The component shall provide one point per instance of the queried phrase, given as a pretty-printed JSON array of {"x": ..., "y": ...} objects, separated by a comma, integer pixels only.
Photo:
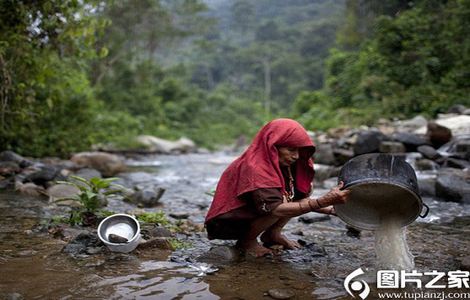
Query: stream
[{"x": 32, "y": 265}]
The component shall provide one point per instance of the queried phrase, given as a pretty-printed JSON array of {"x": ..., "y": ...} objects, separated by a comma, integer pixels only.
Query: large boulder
[
  {"x": 427, "y": 184},
  {"x": 458, "y": 125},
  {"x": 438, "y": 135},
  {"x": 391, "y": 147},
  {"x": 324, "y": 154},
  {"x": 453, "y": 185},
  {"x": 412, "y": 124},
  {"x": 459, "y": 147},
  {"x": 410, "y": 140},
  {"x": 428, "y": 151},
  {"x": 155, "y": 144},
  {"x": 368, "y": 142},
  {"x": 61, "y": 191},
  {"x": 108, "y": 164},
  {"x": 14, "y": 157},
  {"x": 44, "y": 175}
]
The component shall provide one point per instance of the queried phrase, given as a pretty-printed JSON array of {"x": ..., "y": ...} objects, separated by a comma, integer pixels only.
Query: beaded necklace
[{"x": 291, "y": 194}]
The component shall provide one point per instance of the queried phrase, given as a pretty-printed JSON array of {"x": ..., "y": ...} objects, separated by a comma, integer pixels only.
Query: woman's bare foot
[
  {"x": 275, "y": 238},
  {"x": 253, "y": 248}
]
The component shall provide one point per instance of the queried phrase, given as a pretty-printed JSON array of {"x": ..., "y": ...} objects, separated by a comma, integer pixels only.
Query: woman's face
[{"x": 287, "y": 155}]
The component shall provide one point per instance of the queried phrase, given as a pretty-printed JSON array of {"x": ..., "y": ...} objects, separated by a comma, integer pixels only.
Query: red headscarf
[{"x": 258, "y": 167}]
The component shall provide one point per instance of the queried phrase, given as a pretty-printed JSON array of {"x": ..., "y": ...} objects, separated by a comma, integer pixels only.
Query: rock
[
  {"x": 342, "y": 155},
  {"x": 135, "y": 178},
  {"x": 391, "y": 147},
  {"x": 7, "y": 183},
  {"x": 179, "y": 215},
  {"x": 458, "y": 125},
  {"x": 147, "y": 197},
  {"x": 221, "y": 254},
  {"x": 427, "y": 184},
  {"x": 30, "y": 189},
  {"x": 44, "y": 175},
  {"x": 412, "y": 124},
  {"x": 88, "y": 173},
  {"x": 313, "y": 217},
  {"x": 459, "y": 147},
  {"x": 353, "y": 232},
  {"x": 156, "y": 243},
  {"x": 368, "y": 142},
  {"x": 466, "y": 112},
  {"x": 456, "y": 109},
  {"x": 281, "y": 293},
  {"x": 60, "y": 191},
  {"x": 437, "y": 134},
  {"x": 149, "y": 231},
  {"x": 114, "y": 238},
  {"x": 94, "y": 250},
  {"x": 323, "y": 172},
  {"x": 8, "y": 168},
  {"x": 410, "y": 140},
  {"x": 453, "y": 185},
  {"x": 428, "y": 152},
  {"x": 462, "y": 148},
  {"x": 81, "y": 242},
  {"x": 13, "y": 157},
  {"x": 155, "y": 144},
  {"x": 456, "y": 163},
  {"x": 108, "y": 164},
  {"x": 426, "y": 165},
  {"x": 464, "y": 263},
  {"x": 324, "y": 154}
]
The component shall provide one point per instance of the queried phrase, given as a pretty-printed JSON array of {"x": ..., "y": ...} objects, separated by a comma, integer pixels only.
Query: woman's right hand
[{"x": 335, "y": 196}]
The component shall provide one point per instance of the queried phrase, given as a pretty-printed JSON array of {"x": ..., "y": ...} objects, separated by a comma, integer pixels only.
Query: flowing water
[
  {"x": 33, "y": 266},
  {"x": 391, "y": 247}
]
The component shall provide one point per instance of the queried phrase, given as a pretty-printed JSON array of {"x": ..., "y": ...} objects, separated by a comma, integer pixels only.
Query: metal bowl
[
  {"x": 123, "y": 226},
  {"x": 383, "y": 187}
]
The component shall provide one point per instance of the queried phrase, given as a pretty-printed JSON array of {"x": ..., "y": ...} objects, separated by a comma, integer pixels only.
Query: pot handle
[{"x": 427, "y": 211}]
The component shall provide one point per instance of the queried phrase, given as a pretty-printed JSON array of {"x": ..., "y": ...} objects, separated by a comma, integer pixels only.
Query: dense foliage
[
  {"x": 414, "y": 62},
  {"x": 77, "y": 73}
]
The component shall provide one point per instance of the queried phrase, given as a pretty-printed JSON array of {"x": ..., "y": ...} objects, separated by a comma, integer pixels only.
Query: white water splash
[{"x": 391, "y": 247}]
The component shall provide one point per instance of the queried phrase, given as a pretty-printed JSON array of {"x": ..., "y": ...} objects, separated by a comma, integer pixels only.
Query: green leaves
[{"x": 91, "y": 192}]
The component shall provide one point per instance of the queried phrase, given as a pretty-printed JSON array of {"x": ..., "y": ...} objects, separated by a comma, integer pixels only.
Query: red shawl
[{"x": 258, "y": 167}]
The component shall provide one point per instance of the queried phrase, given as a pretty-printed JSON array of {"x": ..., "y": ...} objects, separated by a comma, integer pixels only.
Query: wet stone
[
  {"x": 310, "y": 218},
  {"x": 94, "y": 250},
  {"x": 426, "y": 165},
  {"x": 221, "y": 254},
  {"x": 158, "y": 243},
  {"x": 391, "y": 147},
  {"x": 114, "y": 238},
  {"x": 428, "y": 151},
  {"x": 281, "y": 293},
  {"x": 156, "y": 231},
  {"x": 179, "y": 215}
]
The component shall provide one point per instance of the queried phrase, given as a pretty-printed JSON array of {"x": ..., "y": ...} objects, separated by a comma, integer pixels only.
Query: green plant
[
  {"x": 158, "y": 218},
  {"x": 178, "y": 244},
  {"x": 89, "y": 198}
]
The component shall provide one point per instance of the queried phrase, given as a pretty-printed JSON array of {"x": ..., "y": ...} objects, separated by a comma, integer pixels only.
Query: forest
[{"x": 79, "y": 73}]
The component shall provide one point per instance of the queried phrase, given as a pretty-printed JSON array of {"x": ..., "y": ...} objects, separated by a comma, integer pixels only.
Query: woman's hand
[{"x": 335, "y": 196}]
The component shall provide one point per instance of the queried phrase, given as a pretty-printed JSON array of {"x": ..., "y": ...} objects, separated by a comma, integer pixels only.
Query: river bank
[{"x": 438, "y": 242}]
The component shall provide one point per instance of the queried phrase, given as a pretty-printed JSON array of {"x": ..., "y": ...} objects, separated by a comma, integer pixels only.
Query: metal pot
[
  {"x": 383, "y": 187},
  {"x": 126, "y": 227}
]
